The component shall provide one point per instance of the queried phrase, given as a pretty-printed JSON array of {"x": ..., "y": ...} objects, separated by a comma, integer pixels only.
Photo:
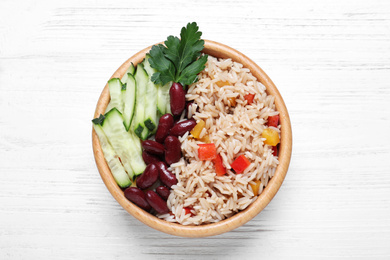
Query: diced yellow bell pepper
[
  {"x": 255, "y": 187},
  {"x": 222, "y": 83},
  {"x": 205, "y": 139},
  {"x": 271, "y": 136},
  {"x": 232, "y": 101},
  {"x": 198, "y": 129}
]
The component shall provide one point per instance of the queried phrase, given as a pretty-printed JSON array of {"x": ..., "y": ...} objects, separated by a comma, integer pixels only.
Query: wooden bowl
[{"x": 222, "y": 51}]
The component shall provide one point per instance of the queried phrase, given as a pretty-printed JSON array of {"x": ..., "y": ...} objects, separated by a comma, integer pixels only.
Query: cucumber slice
[
  {"x": 115, "y": 88},
  {"x": 163, "y": 99},
  {"x": 112, "y": 159},
  {"x": 137, "y": 143},
  {"x": 151, "y": 107},
  {"x": 109, "y": 107},
  {"x": 141, "y": 78},
  {"x": 151, "y": 100},
  {"x": 129, "y": 101},
  {"x": 123, "y": 93},
  {"x": 137, "y": 161},
  {"x": 168, "y": 108},
  {"x": 145, "y": 133},
  {"x": 130, "y": 70},
  {"x": 125, "y": 144}
]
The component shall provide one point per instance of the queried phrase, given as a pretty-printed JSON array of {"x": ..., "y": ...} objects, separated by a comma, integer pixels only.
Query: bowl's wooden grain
[{"x": 222, "y": 51}]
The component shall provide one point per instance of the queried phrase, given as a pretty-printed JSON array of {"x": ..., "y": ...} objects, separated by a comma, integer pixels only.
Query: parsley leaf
[
  {"x": 190, "y": 45},
  {"x": 190, "y": 74},
  {"x": 179, "y": 60},
  {"x": 99, "y": 120},
  {"x": 162, "y": 64},
  {"x": 172, "y": 50}
]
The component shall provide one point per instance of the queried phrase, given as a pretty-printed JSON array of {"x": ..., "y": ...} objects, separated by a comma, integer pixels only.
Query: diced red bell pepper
[
  {"x": 273, "y": 121},
  {"x": 188, "y": 211},
  {"x": 249, "y": 98},
  {"x": 207, "y": 152},
  {"x": 219, "y": 168},
  {"x": 240, "y": 164},
  {"x": 275, "y": 150}
]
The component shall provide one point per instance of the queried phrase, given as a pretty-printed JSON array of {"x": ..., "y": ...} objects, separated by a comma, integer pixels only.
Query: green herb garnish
[{"x": 179, "y": 60}]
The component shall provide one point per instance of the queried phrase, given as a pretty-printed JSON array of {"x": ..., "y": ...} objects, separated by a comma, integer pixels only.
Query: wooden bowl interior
[{"x": 222, "y": 51}]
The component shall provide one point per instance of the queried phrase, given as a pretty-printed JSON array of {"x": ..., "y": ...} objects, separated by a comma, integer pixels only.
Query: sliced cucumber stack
[
  {"x": 132, "y": 114},
  {"x": 115, "y": 165},
  {"x": 123, "y": 143}
]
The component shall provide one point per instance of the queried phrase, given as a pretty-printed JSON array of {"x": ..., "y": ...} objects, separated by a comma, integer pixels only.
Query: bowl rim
[{"x": 285, "y": 149}]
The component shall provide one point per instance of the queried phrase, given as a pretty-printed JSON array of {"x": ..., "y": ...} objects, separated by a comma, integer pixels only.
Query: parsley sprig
[{"x": 179, "y": 60}]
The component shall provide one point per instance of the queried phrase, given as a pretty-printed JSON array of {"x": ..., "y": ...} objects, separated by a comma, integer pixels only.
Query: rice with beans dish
[{"x": 235, "y": 127}]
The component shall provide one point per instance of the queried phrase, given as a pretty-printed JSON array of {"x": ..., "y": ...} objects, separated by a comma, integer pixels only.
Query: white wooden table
[{"x": 329, "y": 59}]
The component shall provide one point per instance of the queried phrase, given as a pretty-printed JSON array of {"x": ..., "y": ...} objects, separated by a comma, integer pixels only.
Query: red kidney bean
[
  {"x": 147, "y": 178},
  {"x": 138, "y": 197},
  {"x": 163, "y": 192},
  {"x": 156, "y": 202},
  {"x": 176, "y": 119},
  {"x": 180, "y": 128},
  {"x": 178, "y": 99},
  {"x": 149, "y": 158},
  {"x": 166, "y": 177},
  {"x": 153, "y": 147},
  {"x": 172, "y": 149},
  {"x": 164, "y": 125}
]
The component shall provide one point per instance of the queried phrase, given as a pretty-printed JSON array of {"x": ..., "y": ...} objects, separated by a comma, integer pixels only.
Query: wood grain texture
[{"x": 329, "y": 59}]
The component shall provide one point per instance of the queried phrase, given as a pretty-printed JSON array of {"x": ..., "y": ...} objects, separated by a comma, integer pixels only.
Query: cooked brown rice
[{"x": 234, "y": 131}]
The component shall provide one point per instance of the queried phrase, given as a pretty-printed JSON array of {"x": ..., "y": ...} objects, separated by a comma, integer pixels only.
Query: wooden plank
[{"x": 329, "y": 59}]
